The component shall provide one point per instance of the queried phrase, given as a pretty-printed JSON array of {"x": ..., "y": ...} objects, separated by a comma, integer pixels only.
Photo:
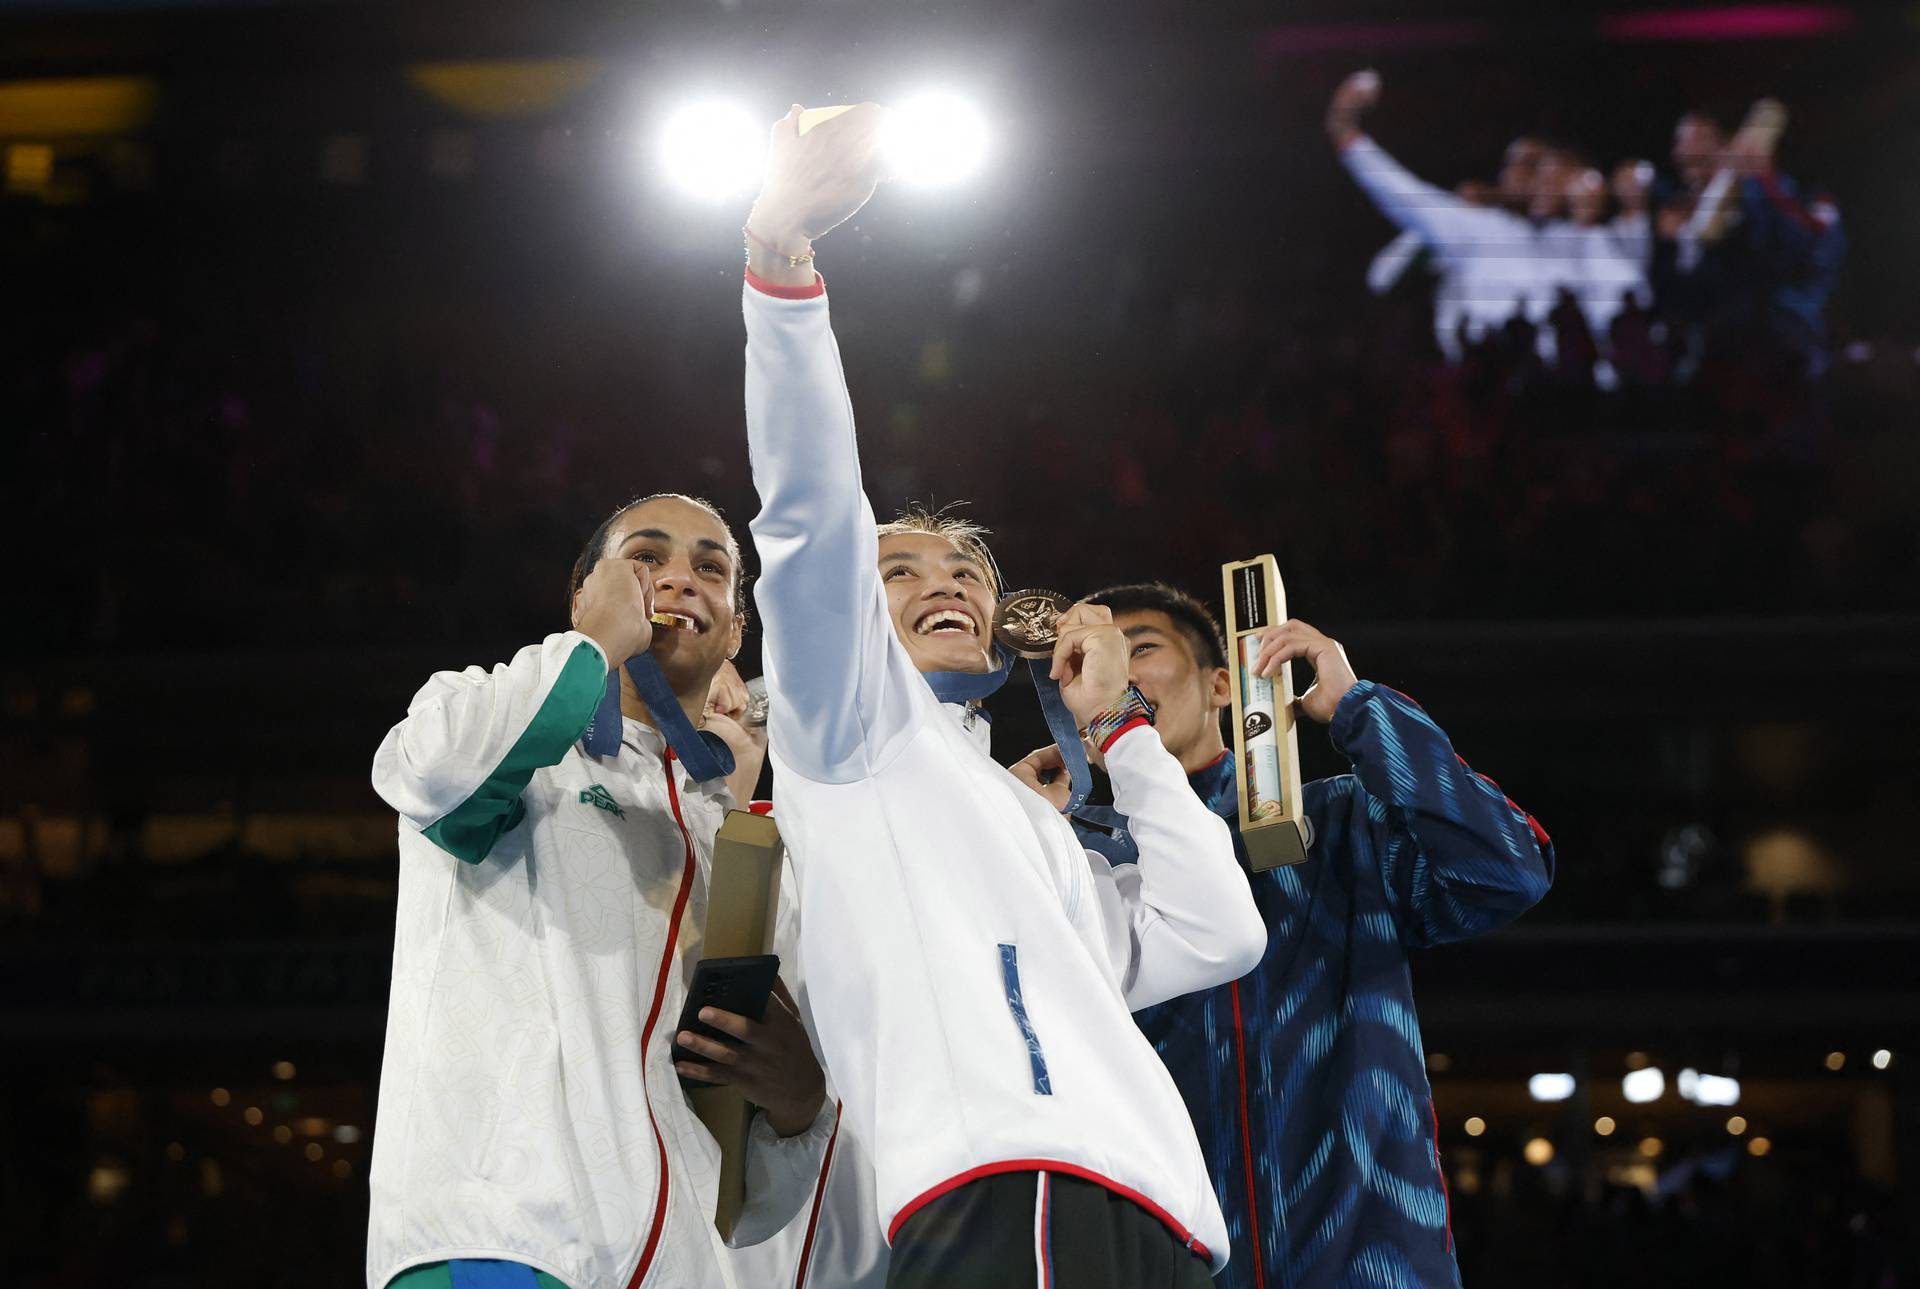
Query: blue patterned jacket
[{"x": 1306, "y": 1078}]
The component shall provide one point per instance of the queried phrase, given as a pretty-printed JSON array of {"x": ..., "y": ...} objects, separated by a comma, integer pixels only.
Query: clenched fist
[
  {"x": 613, "y": 606},
  {"x": 726, "y": 715},
  {"x": 1089, "y": 661},
  {"x": 1044, "y": 770}
]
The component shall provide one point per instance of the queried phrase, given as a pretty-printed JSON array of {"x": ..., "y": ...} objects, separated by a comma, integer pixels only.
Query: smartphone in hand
[{"x": 738, "y": 985}]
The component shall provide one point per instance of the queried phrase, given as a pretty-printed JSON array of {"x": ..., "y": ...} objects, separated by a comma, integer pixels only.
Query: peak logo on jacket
[{"x": 601, "y": 799}]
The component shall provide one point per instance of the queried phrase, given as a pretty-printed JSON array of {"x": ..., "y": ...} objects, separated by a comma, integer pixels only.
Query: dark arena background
[{"x": 330, "y": 330}]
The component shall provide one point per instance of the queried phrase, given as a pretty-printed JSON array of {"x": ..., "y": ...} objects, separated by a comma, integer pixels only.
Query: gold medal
[
  {"x": 674, "y": 621},
  {"x": 1028, "y": 622}
]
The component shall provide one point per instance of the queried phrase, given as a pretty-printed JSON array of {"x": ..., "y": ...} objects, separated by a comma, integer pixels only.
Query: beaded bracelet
[{"x": 1133, "y": 706}]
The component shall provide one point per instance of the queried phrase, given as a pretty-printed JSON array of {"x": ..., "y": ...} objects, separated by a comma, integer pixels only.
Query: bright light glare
[
  {"x": 934, "y": 139},
  {"x": 1882, "y": 1059},
  {"x": 1715, "y": 1090},
  {"x": 713, "y": 150},
  {"x": 1641, "y": 1086},
  {"x": 1475, "y": 1126},
  {"x": 1550, "y": 1087},
  {"x": 1538, "y": 1152},
  {"x": 1709, "y": 1089}
]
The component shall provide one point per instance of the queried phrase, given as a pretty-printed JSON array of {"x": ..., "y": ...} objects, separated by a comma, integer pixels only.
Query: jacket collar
[
  {"x": 963, "y": 693},
  {"x": 973, "y": 721},
  {"x": 650, "y": 745},
  {"x": 1215, "y": 785}
]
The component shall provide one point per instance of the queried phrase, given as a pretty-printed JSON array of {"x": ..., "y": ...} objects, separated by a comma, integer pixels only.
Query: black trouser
[{"x": 1039, "y": 1231}]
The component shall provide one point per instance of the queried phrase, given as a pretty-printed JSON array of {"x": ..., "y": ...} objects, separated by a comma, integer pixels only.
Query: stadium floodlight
[
  {"x": 1713, "y": 1089},
  {"x": 934, "y": 139},
  {"x": 1550, "y": 1087},
  {"x": 713, "y": 150},
  {"x": 1708, "y": 1089},
  {"x": 1642, "y": 1086}
]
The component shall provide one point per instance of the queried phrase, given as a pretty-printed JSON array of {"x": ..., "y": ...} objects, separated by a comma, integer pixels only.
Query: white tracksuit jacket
[
  {"x": 550, "y": 912},
  {"x": 1494, "y": 263},
  {"x": 971, "y": 969}
]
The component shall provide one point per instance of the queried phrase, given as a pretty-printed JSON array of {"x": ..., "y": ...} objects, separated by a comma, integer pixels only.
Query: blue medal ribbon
[
  {"x": 1104, "y": 829},
  {"x": 971, "y": 686},
  {"x": 1066, "y": 734},
  {"x": 703, "y": 752}
]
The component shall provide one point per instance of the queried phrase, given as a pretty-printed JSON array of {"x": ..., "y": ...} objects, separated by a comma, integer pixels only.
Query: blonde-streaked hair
[{"x": 963, "y": 535}]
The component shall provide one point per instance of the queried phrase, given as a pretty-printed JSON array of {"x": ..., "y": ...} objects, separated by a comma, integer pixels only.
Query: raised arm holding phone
[{"x": 971, "y": 966}]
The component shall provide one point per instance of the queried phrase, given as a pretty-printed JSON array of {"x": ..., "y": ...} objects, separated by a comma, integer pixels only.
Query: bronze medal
[{"x": 1028, "y": 622}]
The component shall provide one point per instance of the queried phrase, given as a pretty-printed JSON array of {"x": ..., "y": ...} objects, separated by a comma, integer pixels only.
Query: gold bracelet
[{"x": 793, "y": 261}]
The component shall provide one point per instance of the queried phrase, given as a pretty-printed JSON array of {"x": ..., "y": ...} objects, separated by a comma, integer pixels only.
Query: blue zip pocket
[{"x": 1010, "y": 980}]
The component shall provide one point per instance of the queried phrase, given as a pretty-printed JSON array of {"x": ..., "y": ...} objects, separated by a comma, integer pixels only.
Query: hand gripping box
[
  {"x": 743, "y": 893},
  {"x": 1266, "y": 744}
]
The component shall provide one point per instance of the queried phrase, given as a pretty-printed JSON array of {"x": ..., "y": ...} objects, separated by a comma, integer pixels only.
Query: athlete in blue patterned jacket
[{"x": 1306, "y": 1078}]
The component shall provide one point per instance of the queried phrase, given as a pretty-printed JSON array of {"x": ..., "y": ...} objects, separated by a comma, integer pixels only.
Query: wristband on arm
[{"x": 1132, "y": 709}]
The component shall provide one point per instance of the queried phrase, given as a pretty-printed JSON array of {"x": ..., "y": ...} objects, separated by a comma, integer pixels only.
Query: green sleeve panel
[
  {"x": 469, "y": 830},
  {"x": 439, "y": 1275}
]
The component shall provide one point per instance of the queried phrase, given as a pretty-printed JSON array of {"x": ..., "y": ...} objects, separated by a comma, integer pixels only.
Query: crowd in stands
[
  {"x": 1718, "y": 1218},
  {"x": 330, "y": 454},
  {"x": 1724, "y": 259},
  {"x": 263, "y": 481}
]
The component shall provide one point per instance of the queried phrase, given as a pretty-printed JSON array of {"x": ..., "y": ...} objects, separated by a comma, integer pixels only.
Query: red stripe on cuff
[
  {"x": 778, "y": 292},
  {"x": 1539, "y": 834},
  {"x": 1114, "y": 737},
  {"x": 1787, "y": 206}
]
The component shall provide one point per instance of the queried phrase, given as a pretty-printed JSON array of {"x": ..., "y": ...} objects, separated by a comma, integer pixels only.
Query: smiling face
[
  {"x": 1187, "y": 693},
  {"x": 696, "y": 578},
  {"x": 940, "y": 601}
]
